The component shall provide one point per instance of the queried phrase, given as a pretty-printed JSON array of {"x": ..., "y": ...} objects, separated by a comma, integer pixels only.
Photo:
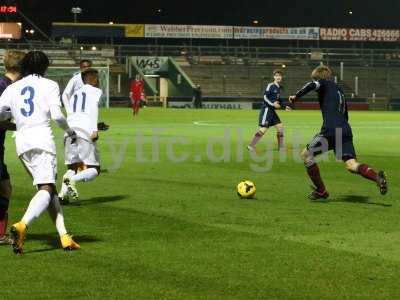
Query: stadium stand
[
  {"x": 239, "y": 71},
  {"x": 242, "y": 81},
  {"x": 248, "y": 80}
]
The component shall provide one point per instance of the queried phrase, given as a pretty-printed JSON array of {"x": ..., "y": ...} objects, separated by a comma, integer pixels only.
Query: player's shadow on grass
[
  {"x": 99, "y": 200},
  {"x": 53, "y": 241},
  {"x": 357, "y": 199}
]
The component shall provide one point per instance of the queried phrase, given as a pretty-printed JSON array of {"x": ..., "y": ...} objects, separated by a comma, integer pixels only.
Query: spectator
[{"x": 197, "y": 97}]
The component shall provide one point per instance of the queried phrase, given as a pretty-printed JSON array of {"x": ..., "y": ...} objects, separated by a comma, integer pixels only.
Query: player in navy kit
[
  {"x": 268, "y": 116},
  {"x": 336, "y": 134},
  {"x": 11, "y": 63}
]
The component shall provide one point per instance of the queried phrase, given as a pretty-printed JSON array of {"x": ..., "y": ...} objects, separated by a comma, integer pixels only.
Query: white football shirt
[
  {"x": 74, "y": 84},
  {"x": 29, "y": 100},
  {"x": 83, "y": 110}
]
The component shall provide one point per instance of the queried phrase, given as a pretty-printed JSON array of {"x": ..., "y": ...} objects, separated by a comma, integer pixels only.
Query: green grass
[{"x": 165, "y": 230}]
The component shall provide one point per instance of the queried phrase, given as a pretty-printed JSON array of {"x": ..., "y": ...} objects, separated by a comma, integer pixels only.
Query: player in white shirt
[
  {"x": 33, "y": 101},
  {"x": 82, "y": 157},
  {"x": 75, "y": 83}
]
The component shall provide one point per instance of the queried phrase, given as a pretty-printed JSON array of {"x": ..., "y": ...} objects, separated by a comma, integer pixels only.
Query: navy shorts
[
  {"x": 342, "y": 146},
  {"x": 268, "y": 117}
]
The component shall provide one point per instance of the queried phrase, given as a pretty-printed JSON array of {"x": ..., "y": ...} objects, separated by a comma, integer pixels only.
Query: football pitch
[{"x": 163, "y": 220}]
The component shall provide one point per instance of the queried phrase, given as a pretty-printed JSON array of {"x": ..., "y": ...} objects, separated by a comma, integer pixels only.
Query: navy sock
[{"x": 4, "y": 202}]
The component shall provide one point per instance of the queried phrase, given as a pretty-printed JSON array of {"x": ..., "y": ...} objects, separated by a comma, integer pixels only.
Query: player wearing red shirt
[{"x": 136, "y": 94}]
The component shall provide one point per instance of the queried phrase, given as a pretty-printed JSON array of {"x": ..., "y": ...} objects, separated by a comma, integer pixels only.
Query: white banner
[
  {"x": 360, "y": 34},
  {"x": 188, "y": 31},
  {"x": 248, "y": 33},
  {"x": 277, "y": 33}
]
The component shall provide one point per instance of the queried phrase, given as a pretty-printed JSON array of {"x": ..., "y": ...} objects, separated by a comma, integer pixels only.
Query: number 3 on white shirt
[{"x": 29, "y": 101}]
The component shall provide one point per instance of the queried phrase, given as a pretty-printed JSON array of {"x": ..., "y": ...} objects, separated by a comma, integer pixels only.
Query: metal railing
[
  {"x": 237, "y": 54},
  {"x": 259, "y": 55}
]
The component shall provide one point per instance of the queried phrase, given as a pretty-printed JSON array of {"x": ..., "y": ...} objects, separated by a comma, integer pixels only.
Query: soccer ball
[{"x": 246, "y": 189}]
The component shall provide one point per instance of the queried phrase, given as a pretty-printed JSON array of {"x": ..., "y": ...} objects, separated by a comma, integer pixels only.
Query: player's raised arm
[
  {"x": 67, "y": 94},
  {"x": 310, "y": 86},
  {"x": 55, "y": 110},
  {"x": 58, "y": 117}
]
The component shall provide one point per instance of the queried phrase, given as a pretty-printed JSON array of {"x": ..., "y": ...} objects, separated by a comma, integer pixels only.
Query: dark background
[{"x": 373, "y": 14}]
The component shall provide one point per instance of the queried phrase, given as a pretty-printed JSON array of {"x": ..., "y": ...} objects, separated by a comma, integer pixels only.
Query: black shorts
[
  {"x": 342, "y": 146},
  {"x": 268, "y": 117},
  {"x": 3, "y": 172}
]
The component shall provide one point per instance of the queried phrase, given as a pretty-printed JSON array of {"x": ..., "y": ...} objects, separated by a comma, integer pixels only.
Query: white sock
[
  {"x": 70, "y": 173},
  {"x": 56, "y": 214},
  {"x": 85, "y": 175},
  {"x": 37, "y": 206},
  {"x": 64, "y": 188}
]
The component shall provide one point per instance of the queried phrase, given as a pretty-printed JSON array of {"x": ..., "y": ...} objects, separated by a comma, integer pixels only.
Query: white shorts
[
  {"x": 41, "y": 165},
  {"x": 82, "y": 151}
]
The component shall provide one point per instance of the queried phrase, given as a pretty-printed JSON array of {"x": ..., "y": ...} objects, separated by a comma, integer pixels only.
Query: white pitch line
[{"x": 205, "y": 123}]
